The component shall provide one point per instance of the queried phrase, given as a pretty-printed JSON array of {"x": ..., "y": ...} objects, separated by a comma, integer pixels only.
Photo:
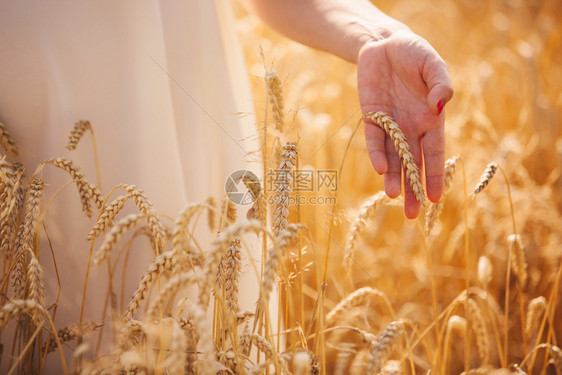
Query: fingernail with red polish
[{"x": 440, "y": 106}]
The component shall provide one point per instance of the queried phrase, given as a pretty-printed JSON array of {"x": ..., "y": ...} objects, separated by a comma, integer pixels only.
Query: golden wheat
[
  {"x": 432, "y": 215},
  {"x": 411, "y": 168},
  {"x": 382, "y": 346},
  {"x": 486, "y": 177},
  {"x": 7, "y": 141},
  {"x": 519, "y": 263},
  {"x": 76, "y": 134}
]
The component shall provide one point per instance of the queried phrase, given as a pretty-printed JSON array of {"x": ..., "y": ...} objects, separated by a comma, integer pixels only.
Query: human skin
[{"x": 398, "y": 72}]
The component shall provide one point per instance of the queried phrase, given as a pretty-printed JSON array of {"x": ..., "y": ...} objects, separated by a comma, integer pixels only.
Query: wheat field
[{"x": 471, "y": 286}]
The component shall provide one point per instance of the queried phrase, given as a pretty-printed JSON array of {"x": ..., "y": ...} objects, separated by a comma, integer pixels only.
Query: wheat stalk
[
  {"x": 486, "y": 177},
  {"x": 412, "y": 171},
  {"x": 283, "y": 177},
  {"x": 7, "y": 141},
  {"x": 435, "y": 209},
  {"x": 76, "y": 134},
  {"x": 382, "y": 346}
]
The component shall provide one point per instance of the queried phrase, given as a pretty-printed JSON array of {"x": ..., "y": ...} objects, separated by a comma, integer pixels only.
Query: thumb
[{"x": 436, "y": 77}]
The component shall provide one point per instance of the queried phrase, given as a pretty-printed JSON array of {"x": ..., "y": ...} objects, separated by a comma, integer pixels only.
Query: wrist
[{"x": 375, "y": 33}]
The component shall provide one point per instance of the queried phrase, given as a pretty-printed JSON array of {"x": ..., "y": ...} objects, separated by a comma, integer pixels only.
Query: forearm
[{"x": 341, "y": 27}]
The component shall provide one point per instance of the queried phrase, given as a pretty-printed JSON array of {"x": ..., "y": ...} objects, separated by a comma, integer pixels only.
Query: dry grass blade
[
  {"x": 486, "y": 177},
  {"x": 382, "y": 346},
  {"x": 7, "y": 141},
  {"x": 70, "y": 333},
  {"x": 432, "y": 215},
  {"x": 367, "y": 211},
  {"x": 76, "y": 134},
  {"x": 412, "y": 171}
]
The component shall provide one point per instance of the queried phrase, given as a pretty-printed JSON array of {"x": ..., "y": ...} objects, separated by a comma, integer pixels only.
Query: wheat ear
[
  {"x": 432, "y": 215},
  {"x": 211, "y": 213},
  {"x": 76, "y": 134},
  {"x": 27, "y": 233},
  {"x": 167, "y": 293},
  {"x": 17, "y": 307},
  {"x": 535, "y": 310},
  {"x": 180, "y": 236},
  {"x": 382, "y": 346},
  {"x": 115, "y": 235},
  {"x": 273, "y": 256},
  {"x": 356, "y": 298},
  {"x": 485, "y": 271},
  {"x": 283, "y": 180},
  {"x": 229, "y": 275},
  {"x": 480, "y": 331},
  {"x": 412, "y": 171},
  {"x": 35, "y": 276},
  {"x": 70, "y": 333},
  {"x": 12, "y": 195},
  {"x": 486, "y": 177},
  {"x": 86, "y": 190},
  {"x": 367, "y": 211},
  {"x": 519, "y": 266},
  {"x": 275, "y": 95},
  {"x": 145, "y": 206},
  {"x": 7, "y": 141},
  {"x": 160, "y": 264}
]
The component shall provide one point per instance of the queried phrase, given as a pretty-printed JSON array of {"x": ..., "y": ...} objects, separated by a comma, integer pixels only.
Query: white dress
[{"x": 164, "y": 86}]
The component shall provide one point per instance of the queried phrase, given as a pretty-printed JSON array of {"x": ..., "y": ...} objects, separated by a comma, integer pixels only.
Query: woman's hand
[{"x": 403, "y": 76}]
